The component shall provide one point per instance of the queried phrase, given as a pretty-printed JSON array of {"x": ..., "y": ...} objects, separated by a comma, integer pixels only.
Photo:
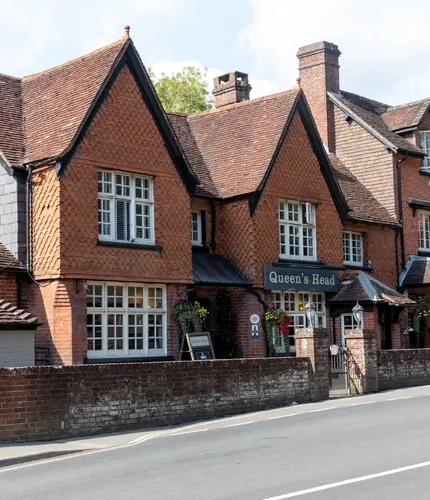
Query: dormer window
[
  {"x": 297, "y": 230},
  {"x": 425, "y": 146},
  {"x": 424, "y": 232},
  {"x": 352, "y": 248}
]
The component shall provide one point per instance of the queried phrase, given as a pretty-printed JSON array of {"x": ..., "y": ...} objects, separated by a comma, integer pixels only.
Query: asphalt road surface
[{"x": 372, "y": 447}]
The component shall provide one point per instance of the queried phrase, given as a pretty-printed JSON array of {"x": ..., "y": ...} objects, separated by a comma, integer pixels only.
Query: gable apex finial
[{"x": 127, "y": 31}]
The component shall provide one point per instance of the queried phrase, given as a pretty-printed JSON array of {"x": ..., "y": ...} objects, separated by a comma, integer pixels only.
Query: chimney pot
[{"x": 127, "y": 31}]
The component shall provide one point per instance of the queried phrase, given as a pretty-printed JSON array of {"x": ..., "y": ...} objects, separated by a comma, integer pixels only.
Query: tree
[{"x": 183, "y": 92}]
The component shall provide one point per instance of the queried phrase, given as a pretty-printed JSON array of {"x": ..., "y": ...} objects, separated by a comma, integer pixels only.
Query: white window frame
[
  {"x": 349, "y": 247},
  {"x": 424, "y": 136},
  {"x": 297, "y": 220},
  {"x": 293, "y": 303},
  {"x": 424, "y": 231},
  {"x": 145, "y": 311},
  {"x": 196, "y": 228},
  {"x": 108, "y": 197}
]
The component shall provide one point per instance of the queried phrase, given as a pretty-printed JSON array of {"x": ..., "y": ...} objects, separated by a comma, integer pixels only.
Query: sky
[{"x": 384, "y": 43}]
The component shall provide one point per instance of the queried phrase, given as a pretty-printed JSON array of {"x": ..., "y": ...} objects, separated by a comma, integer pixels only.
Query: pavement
[{"x": 354, "y": 448}]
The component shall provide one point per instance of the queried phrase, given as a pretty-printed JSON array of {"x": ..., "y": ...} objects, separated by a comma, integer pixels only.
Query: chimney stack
[
  {"x": 231, "y": 88},
  {"x": 319, "y": 74}
]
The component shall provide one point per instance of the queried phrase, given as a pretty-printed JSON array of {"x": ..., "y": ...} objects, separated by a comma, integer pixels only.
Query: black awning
[
  {"x": 209, "y": 269},
  {"x": 417, "y": 272}
]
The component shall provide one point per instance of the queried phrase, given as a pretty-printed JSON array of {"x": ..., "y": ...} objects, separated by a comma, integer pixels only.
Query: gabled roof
[
  {"x": 367, "y": 113},
  {"x": 8, "y": 262},
  {"x": 364, "y": 206},
  {"x": 11, "y": 316},
  {"x": 236, "y": 142},
  {"x": 406, "y": 115},
  {"x": 365, "y": 288},
  {"x": 51, "y": 110},
  {"x": 233, "y": 148}
]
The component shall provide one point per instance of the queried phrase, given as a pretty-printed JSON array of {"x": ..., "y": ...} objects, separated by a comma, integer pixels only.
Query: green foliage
[
  {"x": 183, "y": 92},
  {"x": 190, "y": 317},
  {"x": 225, "y": 344}
]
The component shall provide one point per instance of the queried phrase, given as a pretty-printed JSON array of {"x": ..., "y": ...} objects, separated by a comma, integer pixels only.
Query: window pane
[
  {"x": 293, "y": 212},
  {"x": 94, "y": 296},
  {"x": 104, "y": 216},
  {"x": 115, "y": 296},
  {"x": 424, "y": 232},
  {"x": 294, "y": 240},
  {"x": 122, "y": 185},
  {"x": 94, "y": 332},
  {"x": 425, "y": 146},
  {"x": 123, "y": 220},
  {"x": 104, "y": 182},
  {"x": 282, "y": 239},
  {"x": 115, "y": 332},
  {"x": 155, "y": 298},
  {"x": 155, "y": 331},
  {"x": 135, "y": 297},
  {"x": 135, "y": 331},
  {"x": 282, "y": 216}
]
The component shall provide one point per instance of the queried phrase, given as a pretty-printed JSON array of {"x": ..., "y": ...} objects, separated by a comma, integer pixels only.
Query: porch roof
[
  {"x": 210, "y": 269},
  {"x": 365, "y": 288},
  {"x": 417, "y": 272}
]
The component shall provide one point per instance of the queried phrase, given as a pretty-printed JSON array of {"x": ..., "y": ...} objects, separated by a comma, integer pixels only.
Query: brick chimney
[
  {"x": 231, "y": 88},
  {"x": 319, "y": 74}
]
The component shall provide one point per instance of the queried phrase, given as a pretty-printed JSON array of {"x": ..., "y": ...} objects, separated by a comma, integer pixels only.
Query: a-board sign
[{"x": 198, "y": 346}]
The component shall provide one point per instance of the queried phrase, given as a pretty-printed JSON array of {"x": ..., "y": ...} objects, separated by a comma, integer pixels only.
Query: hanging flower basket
[
  {"x": 190, "y": 317},
  {"x": 278, "y": 324}
]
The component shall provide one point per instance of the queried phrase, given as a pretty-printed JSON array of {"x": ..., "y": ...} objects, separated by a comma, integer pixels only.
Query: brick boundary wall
[
  {"x": 52, "y": 402},
  {"x": 403, "y": 368}
]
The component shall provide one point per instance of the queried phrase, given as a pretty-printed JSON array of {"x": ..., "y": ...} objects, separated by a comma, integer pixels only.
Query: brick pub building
[{"x": 128, "y": 207}]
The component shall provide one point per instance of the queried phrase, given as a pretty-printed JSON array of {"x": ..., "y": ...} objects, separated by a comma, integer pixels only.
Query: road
[{"x": 359, "y": 448}]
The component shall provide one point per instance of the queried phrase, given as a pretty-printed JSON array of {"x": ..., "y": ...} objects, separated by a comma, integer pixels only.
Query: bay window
[
  {"x": 424, "y": 231},
  {"x": 126, "y": 319},
  {"x": 125, "y": 207},
  {"x": 353, "y": 248},
  {"x": 293, "y": 303},
  {"x": 297, "y": 232}
]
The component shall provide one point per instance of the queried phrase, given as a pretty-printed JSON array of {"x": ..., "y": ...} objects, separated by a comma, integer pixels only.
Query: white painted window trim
[
  {"x": 422, "y": 143},
  {"x": 199, "y": 240},
  {"x": 349, "y": 235},
  {"x": 112, "y": 197},
  {"x": 285, "y": 224},
  {"x": 125, "y": 310},
  {"x": 423, "y": 233}
]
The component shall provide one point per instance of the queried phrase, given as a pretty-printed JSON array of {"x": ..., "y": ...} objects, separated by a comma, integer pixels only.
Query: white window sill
[{"x": 130, "y": 244}]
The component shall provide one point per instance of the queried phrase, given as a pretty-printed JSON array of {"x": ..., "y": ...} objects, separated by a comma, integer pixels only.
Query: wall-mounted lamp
[
  {"x": 357, "y": 312},
  {"x": 310, "y": 309}
]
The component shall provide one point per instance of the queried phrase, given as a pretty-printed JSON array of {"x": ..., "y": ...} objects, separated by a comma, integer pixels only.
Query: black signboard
[
  {"x": 198, "y": 346},
  {"x": 299, "y": 278}
]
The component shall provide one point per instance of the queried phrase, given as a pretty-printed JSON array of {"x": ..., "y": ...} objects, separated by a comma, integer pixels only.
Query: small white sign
[
  {"x": 255, "y": 319},
  {"x": 199, "y": 341}
]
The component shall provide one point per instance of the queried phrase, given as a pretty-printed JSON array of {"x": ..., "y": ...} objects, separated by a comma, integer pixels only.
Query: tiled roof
[
  {"x": 11, "y": 127},
  {"x": 236, "y": 142},
  {"x": 364, "y": 206},
  {"x": 8, "y": 261},
  {"x": 369, "y": 112},
  {"x": 11, "y": 315},
  {"x": 406, "y": 115},
  {"x": 181, "y": 127},
  {"x": 365, "y": 288},
  {"x": 417, "y": 272},
  {"x": 56, "y": 101},
  {"x": 52, "y": 105}
]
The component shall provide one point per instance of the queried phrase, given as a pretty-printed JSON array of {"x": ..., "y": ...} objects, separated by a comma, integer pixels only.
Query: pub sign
[{"x": 298, "y": 278}]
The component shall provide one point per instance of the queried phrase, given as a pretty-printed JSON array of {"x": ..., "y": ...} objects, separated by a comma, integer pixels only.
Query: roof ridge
[
  {"x": 247, "y": 102},
  {"x": 17, "y": 78},
  {"x": 346, "y": 92},
  {"x": 399, "y": 106},
  {"x": 74, "y": 60}
]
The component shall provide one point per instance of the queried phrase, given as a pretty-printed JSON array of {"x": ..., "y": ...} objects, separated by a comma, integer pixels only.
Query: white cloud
[
  {"x": 260, "y": 86},
  {"x": 384, "y": 43}
]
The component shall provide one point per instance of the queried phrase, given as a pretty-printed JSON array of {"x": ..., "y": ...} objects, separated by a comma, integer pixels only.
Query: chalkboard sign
[{"x": 198, "y": 346}]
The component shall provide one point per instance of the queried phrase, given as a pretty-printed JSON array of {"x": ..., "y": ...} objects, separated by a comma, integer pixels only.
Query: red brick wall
[
  {"x": 44, "y": 403},
  {"x": 124, "y": 136},
  {"x": 367, "y": 158},
  {"x": 296, "y": 176},
  {"x": 403, "y": 368},
  {"x": 8, "y": 290}
]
